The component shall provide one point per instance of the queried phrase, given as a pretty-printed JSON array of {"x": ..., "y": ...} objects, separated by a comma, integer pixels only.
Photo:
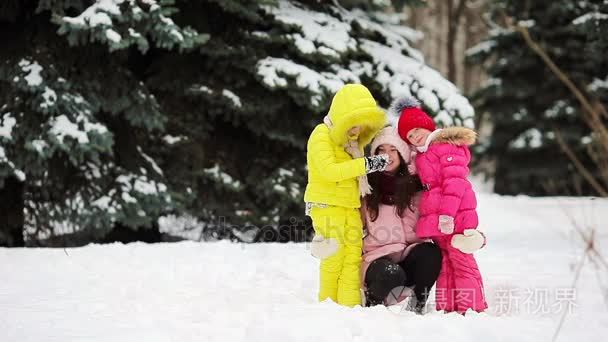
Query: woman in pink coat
[
  {"x": 448, "y": 205},
  {"x": 394, "y": 259}
]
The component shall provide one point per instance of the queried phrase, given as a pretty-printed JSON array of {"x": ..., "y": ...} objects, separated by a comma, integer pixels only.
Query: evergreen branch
[
  {"x": 578, "y": 164},
  {"x": 586, "y": 103},
  {"x": 591, "y": 113}
]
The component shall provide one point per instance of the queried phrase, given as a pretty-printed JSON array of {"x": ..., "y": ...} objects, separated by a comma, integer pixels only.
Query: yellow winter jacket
[{"x": 332, "y": 172}]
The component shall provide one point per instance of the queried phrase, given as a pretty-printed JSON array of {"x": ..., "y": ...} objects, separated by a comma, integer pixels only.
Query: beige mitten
[
  {"x": 322, "y": 248},
  {"x": 470, "y": 241}
]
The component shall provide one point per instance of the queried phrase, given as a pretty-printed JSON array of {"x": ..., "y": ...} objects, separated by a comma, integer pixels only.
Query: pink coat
[
  {"x": 443, "y": 168},
  {"x": 389, "y": 236}
]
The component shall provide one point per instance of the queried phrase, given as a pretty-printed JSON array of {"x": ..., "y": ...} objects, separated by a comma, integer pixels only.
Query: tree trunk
[
  {"x": 454, "y": 14},
  {"x": 11, "y": 213},
  {"x": 440, "y": 27},
  {"x": 468, "y": 42}
]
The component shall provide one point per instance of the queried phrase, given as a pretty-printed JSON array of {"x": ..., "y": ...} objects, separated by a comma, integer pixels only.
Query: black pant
[{"x": 419, "y": 271}]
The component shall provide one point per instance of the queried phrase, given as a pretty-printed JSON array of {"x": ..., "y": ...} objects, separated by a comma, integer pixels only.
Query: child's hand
[
  {"x": 446, "y": 224},
  {"x": 470, "y": 241},
  {"x": 411, "y": 168},
  {"x": 376, "y": 163}
]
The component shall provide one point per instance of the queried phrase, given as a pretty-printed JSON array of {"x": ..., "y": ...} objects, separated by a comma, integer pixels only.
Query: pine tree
[
  {"x": 245, "y": 106},
  {"x": 76, "y": 117},
  {"x": 120, "y": 111},
  {"x": 528, "y": 104}
]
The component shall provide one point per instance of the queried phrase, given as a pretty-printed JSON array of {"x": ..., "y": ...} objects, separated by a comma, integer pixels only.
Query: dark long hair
[{"x": 406, "y": 186}]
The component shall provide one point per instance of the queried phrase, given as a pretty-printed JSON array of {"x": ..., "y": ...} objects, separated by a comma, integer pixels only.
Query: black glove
[{"x": 376, "y": 163}]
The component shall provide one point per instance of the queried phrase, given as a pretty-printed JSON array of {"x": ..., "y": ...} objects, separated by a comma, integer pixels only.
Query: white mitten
[
  {"x": 446, "y": 224},
  {"x": 322, "y": 248},
  {"x": 470, "y": 241}
]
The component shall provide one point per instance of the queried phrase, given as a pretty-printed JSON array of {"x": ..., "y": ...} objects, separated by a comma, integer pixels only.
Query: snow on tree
[
  {"x": 281, "y": 64},
  {"x": 123, "y": 111},
  {"x": 527, "y": 103},
  {"x": 76, "y": 117}
]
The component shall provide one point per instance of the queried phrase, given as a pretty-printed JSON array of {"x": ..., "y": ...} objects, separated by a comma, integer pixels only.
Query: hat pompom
[{"x": 403, "y": 103}]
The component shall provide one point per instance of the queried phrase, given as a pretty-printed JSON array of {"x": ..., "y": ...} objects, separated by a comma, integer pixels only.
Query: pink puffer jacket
[{"x": 443, "y": 169}]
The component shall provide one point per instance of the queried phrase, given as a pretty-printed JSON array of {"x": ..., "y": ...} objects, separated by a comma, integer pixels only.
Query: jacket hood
[
  {"x": 456, "y": 136},
  {"x": 353, "y": 105}
]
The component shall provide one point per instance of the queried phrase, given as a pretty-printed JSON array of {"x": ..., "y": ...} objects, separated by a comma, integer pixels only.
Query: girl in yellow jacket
[{"x": 337, "y": 179}]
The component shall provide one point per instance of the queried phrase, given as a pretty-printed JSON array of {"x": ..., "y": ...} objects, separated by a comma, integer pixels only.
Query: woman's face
[
  {"x": 393, "y": 154},
  {"x": 417, "y": 136}
]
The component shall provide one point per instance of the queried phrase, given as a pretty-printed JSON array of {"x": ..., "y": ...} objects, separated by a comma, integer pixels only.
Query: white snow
[
  {"x": 62, "y": 127},
  {"x": 398, "y": 67},
  {"x": 586, "y": 140},
  {"x": 407, "y": 71},
  {"x": 103, "y": 12},
  {"x": 597, "y": 16},
  {"x": 556, "y": 109},
  {"x": 176, "y": 34},
  {"x": 127, "y": 198},
  {"x": 485, "y": 47},
  {"x": 222, "y": 291},
  {"x": 598, "y": 84},
  {"x": 33, "y": 77},
  {"x": 205, "y": 89},
  {"x": 236, "y": 100},
  {"x": 275, "y": 73},
  {"x": 330, "y": 35},
  {"x": 530, "y": 138},
  {"x": 492, "y": 81},
  {"x": 169, "y": 139},
  {"x": 134, "y": 33},
  {"x": 185, "y": 226},
  {"x": 49, "y": 96},
  {"x": 318, "y": 29},
  {"x": 96, "y": 14},
  {"x": 396, "y": 35},
  {"x": 141, "y": 184},
  {"x": 39, "y": 145},
  {"x": 222, "y": 176},
  {"x": 150, "y": 161},
  {"x": 103, "y": 202},
  {"x": 148, "y": 187},
  {"x": 7, "y": 122},
  {"x": 526, "y": 23},
  {"x": 20, "y": 175},
  {"x": 304, "y": 45},
  {"x": 113, "y": 36}
]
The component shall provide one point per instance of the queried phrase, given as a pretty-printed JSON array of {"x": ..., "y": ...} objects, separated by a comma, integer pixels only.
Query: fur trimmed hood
[
  {"x": 456, "y": 136},
  {"x": 354, "y": 105}
]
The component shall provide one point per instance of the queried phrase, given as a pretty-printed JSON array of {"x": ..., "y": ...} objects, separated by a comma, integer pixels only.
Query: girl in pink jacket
[
  {"x": 448, "y": 205},
  {"x": 394, "y": 258}
]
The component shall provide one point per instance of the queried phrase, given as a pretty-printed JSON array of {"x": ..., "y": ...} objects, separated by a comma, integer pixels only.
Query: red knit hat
[{"x": 410, "y": 116}]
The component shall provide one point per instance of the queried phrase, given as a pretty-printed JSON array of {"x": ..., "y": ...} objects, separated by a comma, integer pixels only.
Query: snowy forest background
[{"x": 126, "y": 120}]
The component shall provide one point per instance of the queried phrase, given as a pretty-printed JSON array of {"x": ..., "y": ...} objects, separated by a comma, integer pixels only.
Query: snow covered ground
[{"x": 223, "y": 291}]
